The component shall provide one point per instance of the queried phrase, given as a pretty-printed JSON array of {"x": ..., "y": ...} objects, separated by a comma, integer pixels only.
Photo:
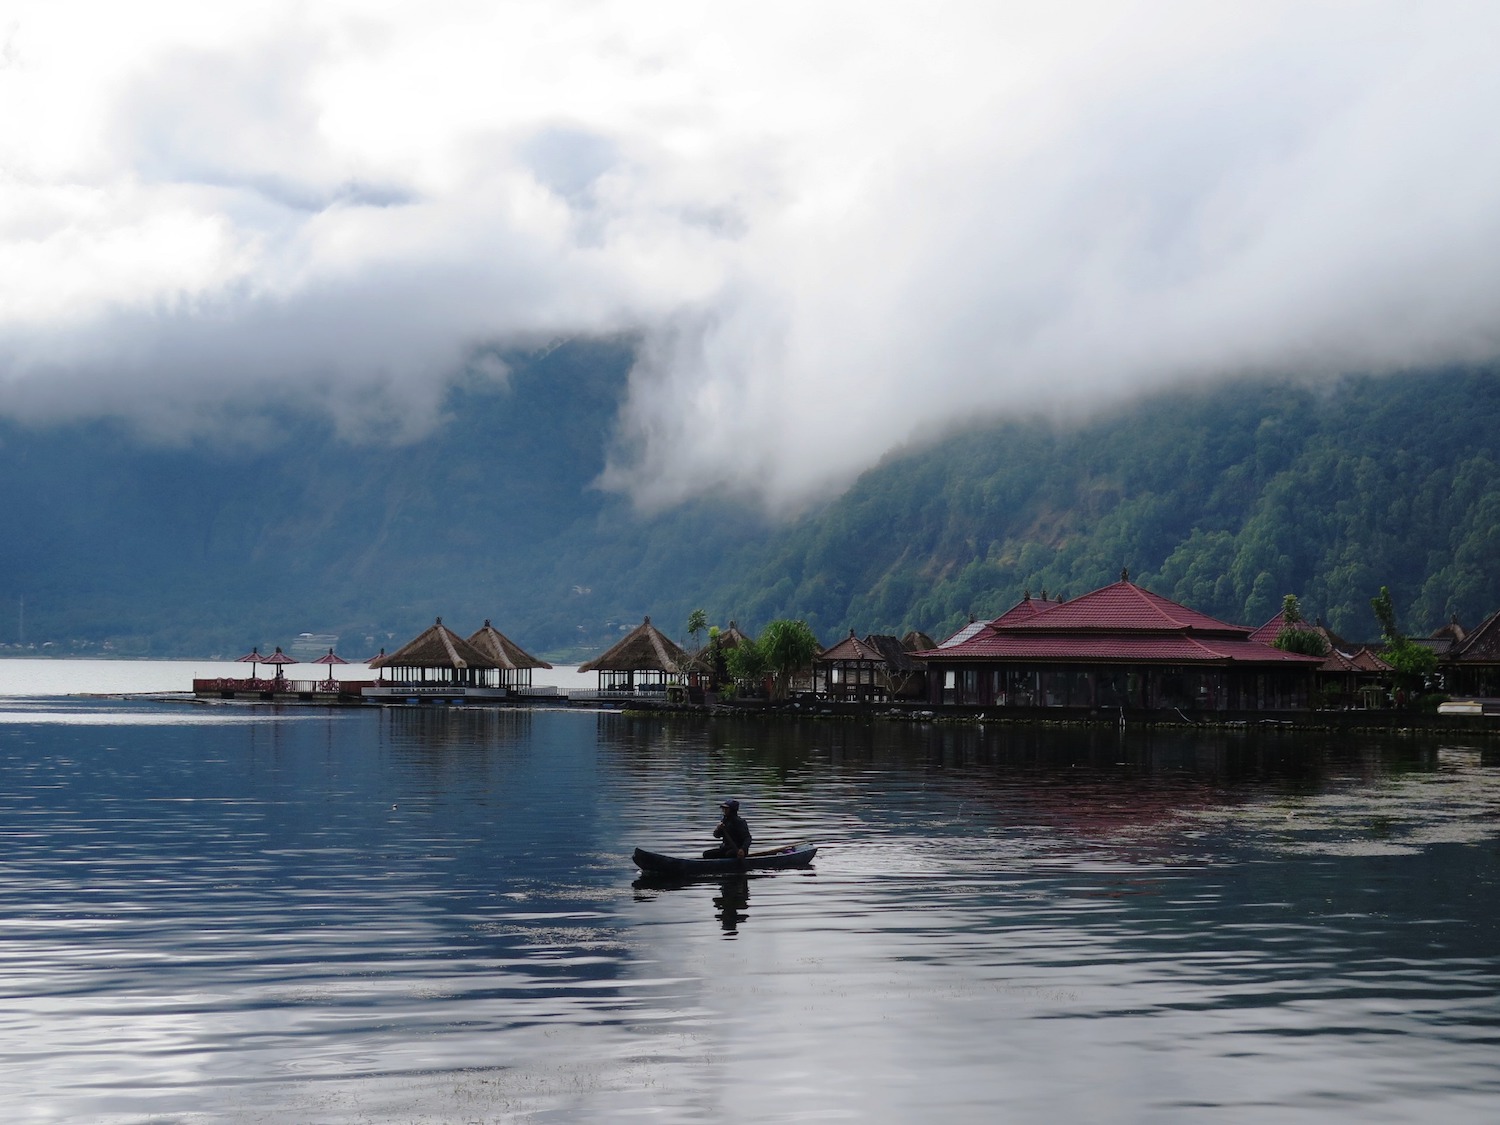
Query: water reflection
[
  {"x": 730, "y": 905},
  {"x": 428, "y": 914},
  {"x": 454, "y": 728}
]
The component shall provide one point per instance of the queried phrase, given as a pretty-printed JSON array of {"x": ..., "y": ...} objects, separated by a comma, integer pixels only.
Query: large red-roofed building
[{"x": 1118, "y": 647}]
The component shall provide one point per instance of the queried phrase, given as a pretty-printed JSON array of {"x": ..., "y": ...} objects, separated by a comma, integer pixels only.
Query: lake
[{"x": 245, "y": 913}]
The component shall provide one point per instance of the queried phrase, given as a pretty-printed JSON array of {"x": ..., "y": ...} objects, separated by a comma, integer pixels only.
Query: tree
[
  {"x": 1412, "y": 665},
  {"x": 1296, "y": 636},
  {"x": 1291, "y": 612},
  {"x": 697, "y": 622},
  {"x": 788, "y": 647},
  {"x": 1299, "y": 639},
  {"x": 718, "y": 667},
  {"x": 746, "y": 664}
]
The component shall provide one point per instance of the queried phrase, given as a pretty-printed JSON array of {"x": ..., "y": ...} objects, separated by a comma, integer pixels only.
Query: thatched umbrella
[
  {"x": 279, "y": 659},
  {"x": 330, "y": 660},
  {"x": 252, "y": 658}
]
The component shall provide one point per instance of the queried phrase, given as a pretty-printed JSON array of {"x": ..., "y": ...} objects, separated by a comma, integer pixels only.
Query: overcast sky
[{"x": 835, "y": 225}]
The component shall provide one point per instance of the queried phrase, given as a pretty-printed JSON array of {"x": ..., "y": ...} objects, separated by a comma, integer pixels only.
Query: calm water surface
[{"x": 245, "y": 914}]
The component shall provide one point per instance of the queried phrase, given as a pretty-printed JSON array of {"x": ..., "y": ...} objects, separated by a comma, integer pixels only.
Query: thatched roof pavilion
[
  {"x": 645, "y": 657},
  {"x": 437, "y": 656},
  {"x": 917, "y": 641},
  {"x": 514, "y": 663},
  {"x": 875, "y": 668},
  {"x": 707, "y": 668},
  {"x": 733, "y": 638}
]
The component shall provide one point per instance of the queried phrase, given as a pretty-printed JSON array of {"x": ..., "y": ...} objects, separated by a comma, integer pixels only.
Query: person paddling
[{"x": 732, "y": 832}]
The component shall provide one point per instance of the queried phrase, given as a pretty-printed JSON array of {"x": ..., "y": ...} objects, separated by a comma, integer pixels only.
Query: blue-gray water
[{"x": 217, "y": 913}]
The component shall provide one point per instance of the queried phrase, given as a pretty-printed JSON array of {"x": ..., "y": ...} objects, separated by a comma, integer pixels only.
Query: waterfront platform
[{"x": 254, "y": 689}]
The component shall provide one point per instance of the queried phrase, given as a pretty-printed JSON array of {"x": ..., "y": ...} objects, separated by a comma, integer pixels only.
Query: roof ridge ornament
[{"x": 1124, "y": 574}]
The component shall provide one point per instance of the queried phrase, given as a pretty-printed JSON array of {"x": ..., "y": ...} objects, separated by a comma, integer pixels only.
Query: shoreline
[{"x": 1320, "y": 722}]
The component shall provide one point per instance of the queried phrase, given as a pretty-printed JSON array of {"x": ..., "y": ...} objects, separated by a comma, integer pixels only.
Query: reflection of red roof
[{"x": 1118, "y": 623}]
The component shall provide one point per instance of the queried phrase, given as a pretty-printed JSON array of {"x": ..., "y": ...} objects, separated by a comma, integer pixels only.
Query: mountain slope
[{"x": 1222, "y": 497}]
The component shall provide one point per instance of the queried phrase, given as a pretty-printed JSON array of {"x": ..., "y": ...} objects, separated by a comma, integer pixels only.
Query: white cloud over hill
[{"x": 834, "y": 225}]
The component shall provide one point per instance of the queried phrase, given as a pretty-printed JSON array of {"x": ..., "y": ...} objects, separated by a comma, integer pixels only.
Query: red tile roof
[
  {"x": 1124, "y": 607},
  {"x": 1271, "y": 629},
  {"x": 852, "y": 648},
  {"x": 1102, "y": 648},
  {"x": 1022, "y": 610},
  {"x": 1118, "y": 623}
]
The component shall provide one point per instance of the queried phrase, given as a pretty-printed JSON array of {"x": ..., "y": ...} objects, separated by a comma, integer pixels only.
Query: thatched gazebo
[
  {"x": 733, "y": 638},
  {"x": 438, "y": 657},
  {"x": 644, "y": 659},
  {"x": 852, "y": 669},
  {"x": 707, "y": 668},
  {"x": 917, "y": 641},
  {"x": 512, "y": 662}
]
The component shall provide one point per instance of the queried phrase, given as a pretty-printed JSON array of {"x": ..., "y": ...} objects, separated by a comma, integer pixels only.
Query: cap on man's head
[{"x": 732, "y": 805}]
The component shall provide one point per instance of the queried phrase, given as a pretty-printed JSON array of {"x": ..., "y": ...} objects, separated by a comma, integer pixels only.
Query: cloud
[{"x": 834, "y": 226}]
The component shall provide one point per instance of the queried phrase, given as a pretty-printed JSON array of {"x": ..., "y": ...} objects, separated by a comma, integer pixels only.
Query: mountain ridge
[{"x": 1222, "y": 497}]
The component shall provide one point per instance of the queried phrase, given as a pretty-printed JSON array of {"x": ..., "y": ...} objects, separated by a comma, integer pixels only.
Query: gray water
[{"x": 240, "y": 914}]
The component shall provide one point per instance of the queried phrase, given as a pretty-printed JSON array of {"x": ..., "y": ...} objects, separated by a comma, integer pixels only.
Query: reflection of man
[
  {"x": 733, "y": 902},
  {"x": 732, "y": 832}
]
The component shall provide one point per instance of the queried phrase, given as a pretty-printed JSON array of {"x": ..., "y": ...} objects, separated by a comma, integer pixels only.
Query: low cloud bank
[{"x": 833, "y": 227}]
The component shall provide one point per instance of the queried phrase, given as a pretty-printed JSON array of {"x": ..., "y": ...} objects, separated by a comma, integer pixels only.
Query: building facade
[{"x": 1118, "y": 648}]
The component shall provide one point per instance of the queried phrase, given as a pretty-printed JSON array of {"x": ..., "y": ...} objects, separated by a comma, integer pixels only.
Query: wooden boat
[{"x": 772, "y": 859}]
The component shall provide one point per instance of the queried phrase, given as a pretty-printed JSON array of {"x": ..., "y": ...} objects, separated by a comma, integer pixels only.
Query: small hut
[
  {"x": 917, "y": 641},
  {"x": 644, "y": 660},
  {"x": 438, "y": 657},
  {"x": 513, "y": 664},
  {"x": 1351, "y": 675},
  {"x": 1471, "y": 664},
  {"x": 879, "y": 667},
  {"x": 708, "y": 668},
  {"x": 733, "y": 638}
]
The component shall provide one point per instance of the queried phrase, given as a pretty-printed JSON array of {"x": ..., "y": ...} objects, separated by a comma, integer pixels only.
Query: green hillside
[{"x": 1224, "y": 497}]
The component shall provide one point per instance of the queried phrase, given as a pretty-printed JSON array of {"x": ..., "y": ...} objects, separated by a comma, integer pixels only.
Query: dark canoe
[{"x": 793, "y": 855}]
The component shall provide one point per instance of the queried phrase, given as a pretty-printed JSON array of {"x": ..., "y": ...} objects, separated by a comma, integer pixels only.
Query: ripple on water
[{"x": 430, "y": 916}]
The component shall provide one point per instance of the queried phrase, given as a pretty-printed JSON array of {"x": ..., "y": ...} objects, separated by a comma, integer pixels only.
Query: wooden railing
[{"x": 260, "y": 685}]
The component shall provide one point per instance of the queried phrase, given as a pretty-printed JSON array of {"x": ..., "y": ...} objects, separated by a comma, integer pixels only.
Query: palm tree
[{"x": 697, "y": 622}]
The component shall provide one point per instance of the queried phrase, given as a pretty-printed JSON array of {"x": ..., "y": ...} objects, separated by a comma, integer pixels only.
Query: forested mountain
[{"x": 1224, "y": 497}]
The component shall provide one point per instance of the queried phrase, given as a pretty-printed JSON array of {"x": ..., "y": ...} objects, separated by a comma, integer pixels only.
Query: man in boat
[{"x": 732, "y": 832}]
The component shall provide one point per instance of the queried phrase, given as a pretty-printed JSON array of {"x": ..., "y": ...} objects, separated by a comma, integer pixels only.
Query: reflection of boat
[{"x": 773, "y": 859}]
